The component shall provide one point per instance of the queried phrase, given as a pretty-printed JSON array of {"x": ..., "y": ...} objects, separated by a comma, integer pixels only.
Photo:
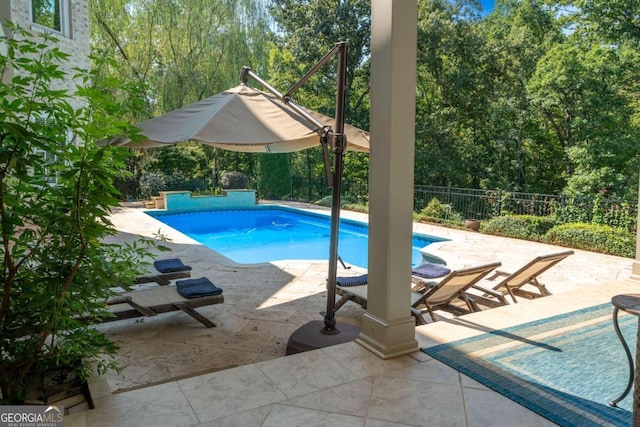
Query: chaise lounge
[
  {"x": 513, "y": 283},
  {"x": 170, "y": 269},
  {"x": 430, "y": 296},
  {"x": 187, "y": 295}
]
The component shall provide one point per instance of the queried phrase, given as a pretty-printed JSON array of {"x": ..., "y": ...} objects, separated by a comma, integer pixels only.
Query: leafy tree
[
  {"x": 186, "y": 49},
  {"x": 184, "y": 166},
  {"x": 274, "y": 176},
  {"x": 451, "y": 101},
  {"x": 606, "y": 34},
  {"x": 55, "y": 195},
  {"x": 181, "y": 51},
  {"x": 234, "y": 180},
  {"x": 615, "y": 21},
  {"x": 521, "y": 157},
  {"x": 536, "y": 96},
  {"x": 307, "y": 30},
  {"x": 576, "y": 89},
  {"x": 527, "y": 98}
]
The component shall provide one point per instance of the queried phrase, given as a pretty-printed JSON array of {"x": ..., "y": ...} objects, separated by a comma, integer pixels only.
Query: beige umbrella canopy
[{"x": 241, "y": 119}]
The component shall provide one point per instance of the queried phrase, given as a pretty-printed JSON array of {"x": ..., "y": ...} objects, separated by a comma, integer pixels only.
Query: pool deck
[{"x": 178, "y": 373}]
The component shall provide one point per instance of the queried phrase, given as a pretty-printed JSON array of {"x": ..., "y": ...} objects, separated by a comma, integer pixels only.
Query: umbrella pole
[
  {"x": 312, "y": 336},
  {"x": 329, "y": 318},
  {"x": 338, "y": 142}
]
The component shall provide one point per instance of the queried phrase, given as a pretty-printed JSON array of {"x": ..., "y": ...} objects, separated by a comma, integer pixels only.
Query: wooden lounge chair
[
  {"x": 162, "y": 299},
  {"x": 418, "y": 274},
  {"x": 162, "y": 279},
  {"x": 513, "y": 283},
  {"x": 169, "y": 269},
  {"x": 430, "y": 296}
]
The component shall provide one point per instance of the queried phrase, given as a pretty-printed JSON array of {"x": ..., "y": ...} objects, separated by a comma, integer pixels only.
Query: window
[
  {"x": 51, "y": 14},
  {"x": 47, "y": 126},
  {"x": 51, "y": 177}
]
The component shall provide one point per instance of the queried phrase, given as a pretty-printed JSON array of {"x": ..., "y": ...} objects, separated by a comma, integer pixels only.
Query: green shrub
[
  {"x": 274, "y": 176},
  {"x": 620, "y": 215},
  {"x": 55, "y": 200},
  {"x": 346, "y": 200},
  {"x": 596, "y": 238},
  {"x": 356, "y": 207},
  {"x": 527, "y": 227},
  {"x": 437, "y": 211},
  {"x": 571, "y": 214}
]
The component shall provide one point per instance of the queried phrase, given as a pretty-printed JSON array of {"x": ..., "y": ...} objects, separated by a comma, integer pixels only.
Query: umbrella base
[{"x": 310, "y": 337}]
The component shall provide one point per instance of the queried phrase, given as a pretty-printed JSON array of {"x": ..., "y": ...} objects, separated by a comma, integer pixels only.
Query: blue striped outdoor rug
[{"x": 566, "y": 368}]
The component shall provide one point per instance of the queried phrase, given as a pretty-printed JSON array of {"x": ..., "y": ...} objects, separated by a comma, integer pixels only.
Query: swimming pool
[{"x": 265, "y": 234}]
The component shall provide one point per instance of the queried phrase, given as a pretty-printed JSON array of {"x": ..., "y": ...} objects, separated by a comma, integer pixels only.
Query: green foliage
[
  {"x": 306, "y": 31},
  {"x": 526, "y": 227},
  {"x": 592, "y": 237},
  {"x": 512, "y": 100},
  {"x": 619, "y": 215},
  {"x": 344, "y": 200},
  {"x": 187, "y": 157},
  {"x": 151, "y": 183},
  {"x": 601, "y": 212},
  {"x": 597, "y": 238},
  {"x": 185, "y": 50},
  {"x": 179, "y": 53},
  {"x": 356, "y": 207},
  {"x": 508, "y": 100},
  {"x": 274, "y": 176},
  {"x": 436, "y": 210},
  {"x": 56, "y": 191},
  {"x": 571, "y": 213}
]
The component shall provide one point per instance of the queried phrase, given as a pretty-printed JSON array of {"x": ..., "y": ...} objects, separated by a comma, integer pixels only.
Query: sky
[{"x": 487, "y": 5}]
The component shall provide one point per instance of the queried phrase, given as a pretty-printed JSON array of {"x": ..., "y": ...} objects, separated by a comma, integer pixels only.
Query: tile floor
[{"x": 178, "y": 373}]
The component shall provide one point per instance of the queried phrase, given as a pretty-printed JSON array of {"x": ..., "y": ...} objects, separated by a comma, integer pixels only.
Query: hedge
[
  {"x": 527, "y": 227},
  {"x": 591, "y": 237}
]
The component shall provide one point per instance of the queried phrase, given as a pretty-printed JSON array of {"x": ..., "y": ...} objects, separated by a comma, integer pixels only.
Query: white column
[{"x": 388, "y": 329}]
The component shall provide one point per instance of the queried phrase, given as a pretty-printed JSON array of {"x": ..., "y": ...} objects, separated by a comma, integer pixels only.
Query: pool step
[{"x": 156, "y": 202}]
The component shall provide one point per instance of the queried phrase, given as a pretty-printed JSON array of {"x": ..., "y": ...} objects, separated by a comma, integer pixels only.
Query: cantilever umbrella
[
  {"x": 249, "y": 120},
  {"x": 241, "y": 119}
]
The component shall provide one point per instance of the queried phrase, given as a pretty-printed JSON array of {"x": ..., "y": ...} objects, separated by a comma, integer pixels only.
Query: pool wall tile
[{"x": 185, "y": 201}]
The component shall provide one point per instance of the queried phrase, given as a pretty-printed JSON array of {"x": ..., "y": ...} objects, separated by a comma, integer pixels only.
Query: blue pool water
[{"x": 271, "y": 234}]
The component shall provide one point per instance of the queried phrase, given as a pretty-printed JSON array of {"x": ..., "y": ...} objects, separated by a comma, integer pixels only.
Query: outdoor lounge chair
[
  {"x": 169, "y": 269},
  {"x": 422, "y": 272},
  {"x": 431, "y": 296},
  {"x": 513, "y": 283},
  {"x": 164, "y": 299},
  {"x": 162, "y": 279}
]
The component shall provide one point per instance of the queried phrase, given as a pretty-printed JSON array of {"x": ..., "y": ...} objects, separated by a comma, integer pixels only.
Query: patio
[{"x": 178, "y": 373}]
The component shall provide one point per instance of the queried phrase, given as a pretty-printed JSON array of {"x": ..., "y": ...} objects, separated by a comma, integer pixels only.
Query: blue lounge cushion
[
  {"x": 170, "y": 265},
  {"x": 430, "y": 271},
  {"x": 352, "y": 281},
  {"x": 196, "y": 288}
]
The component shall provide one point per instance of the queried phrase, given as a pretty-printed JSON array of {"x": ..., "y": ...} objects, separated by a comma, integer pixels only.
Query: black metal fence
[
  {"x": 302, "y": 189},
  {"x": 485, "y": 204},
  {"x": 468, "y": 202}
]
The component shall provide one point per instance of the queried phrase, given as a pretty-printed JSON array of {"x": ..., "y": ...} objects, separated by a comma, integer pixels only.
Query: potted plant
[{"x": 472, "y": 224}]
